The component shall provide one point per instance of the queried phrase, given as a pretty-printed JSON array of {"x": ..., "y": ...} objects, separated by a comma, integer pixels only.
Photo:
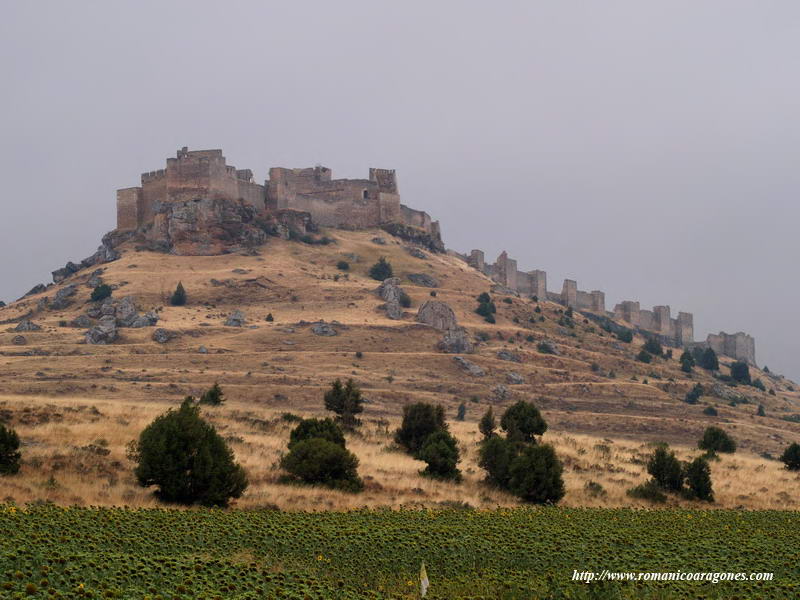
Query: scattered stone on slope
[
  {"x": 19, "y": 340},
  {"x": 728, "y": 394},
  {"x": 423, "y": 279},
  {"x": 63, "y": 297},
  {"x": 416, "y": 252},
  {"x": 27, "y": 325},
  {"x": 202, "y": 350},
  {"x": 94, "y": 279},
  {"x": 509, "y": 356},
  {"x": 469, "y": 367},
  {"x": 105, "y": 332},
  {"x": 162, "y": 336},
  {"x": 323, "y": 329},
  {"x": 236, "y": 319},
  {"x": 379, "y": 240},
  {"x": 126, "y": 312},
  {"x": 456, "y": 341},
  {"x": 82, "y": 321},
  {"x": 513, "y": 378},
  {"x": 42, "y": 304},
  {"x": 149, "y": 319},
  {"x": 437, "y": 314},
  {"x": 390, "y": 291},
  {"x": 500, "y": 393},
  {"x": 548, "y": 347}
]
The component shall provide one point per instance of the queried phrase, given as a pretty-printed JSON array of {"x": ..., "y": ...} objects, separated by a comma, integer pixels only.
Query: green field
[{"x": 47, "y": 551}]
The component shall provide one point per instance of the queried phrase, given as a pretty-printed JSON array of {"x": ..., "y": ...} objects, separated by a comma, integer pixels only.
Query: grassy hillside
[{"x": 76, "y": 405}]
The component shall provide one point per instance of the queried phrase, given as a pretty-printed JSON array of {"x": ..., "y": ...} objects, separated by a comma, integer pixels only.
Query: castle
[
  {"x": 198, "y": 191},
  {"x": 657, "y": 323},
  {"x": 204, "y": 175}
]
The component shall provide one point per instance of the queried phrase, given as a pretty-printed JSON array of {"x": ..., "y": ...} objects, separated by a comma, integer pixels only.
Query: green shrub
[
  {"x": 484, "y": 298},
  {"x": 487, "y": 424},
  {"x": 666, "y": 469},
  {"x": 545, "y": 348},
  {"x": 9, "y": 451},
  {"x": 522, "y": 421},
  {"x": 381, "y": 270},
  {"x": 760, "y": 412},
  {"x": 716, "y": 440},
  {"x": 791, "y": 457},
  {"x": 508, "y": 300},
  {"x": 644, "y": 356},
  {"x": 405, "y": 300},
  {"x": 490, "y": 319},
  {"x": 740, "y": 372},
  {"x": 462, "y": 412},
  {"x": 343, "y": 265},
  {"x": 419, "y": 421},
  {"x": 320, "y": 462},
  {"x": 648, "y": 491},
  {"x": 710, "y": 411},
  {"x": 693, "y": 395},
  {"x": 269, "y": 318},
  {"x": 346, "y": 401},
  {"x": 708, "y": 360},
  {"x": 653, "y": 346},
  {"x": 698, "y": 479},
  {"x": 178, "y": 297},
  {"x": 495, "y": 456},
  {"x": 101, "y": 292},
  {"x": 187, "y": 459},
  {"x": 757, "y": 383},
  {"x": 213, "y": 396},
  {"x": 535, "y": 475},
  {"x": 626, "y": 335},
  {"x": 325, "y": 429},
  {"x": 440, "y": 451}
]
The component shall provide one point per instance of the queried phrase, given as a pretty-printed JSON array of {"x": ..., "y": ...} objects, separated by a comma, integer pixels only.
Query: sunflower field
[{"x": 54, "y": 552}]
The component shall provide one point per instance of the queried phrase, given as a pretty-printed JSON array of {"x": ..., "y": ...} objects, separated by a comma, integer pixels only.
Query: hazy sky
[{"x": 648, "y": 149}]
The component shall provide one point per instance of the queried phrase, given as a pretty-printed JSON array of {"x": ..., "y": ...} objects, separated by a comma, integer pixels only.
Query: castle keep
[
  {"x": 204, "y": 175},
  {"x": 658, "y": 322}
]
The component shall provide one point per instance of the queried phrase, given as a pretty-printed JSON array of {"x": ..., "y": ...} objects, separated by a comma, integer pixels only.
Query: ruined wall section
[
  {"x": 129, "y": 202},
  {"x": 739, "y": 346}
]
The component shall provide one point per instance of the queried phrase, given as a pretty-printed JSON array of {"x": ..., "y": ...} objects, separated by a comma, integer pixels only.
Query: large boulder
[
  {"x": 149, "y": 319},
  {"x": 509, "y": 356},
  {"x": 37, "y": 289},
  {"x": 513, "y": 378},
  {"x": 456, "y": 341},
  {"x": 27, "y": 325},
  {"x": 236, "y": 319},
  {"x": 105, "y": 332},
  {"x": 391, "y": 292},
  {"x": 19, "y": 340},
  {"x": 126, "y": 312},
  {"x": 469, "y": 367},
  {"x": 61, "y": 274},
  {"x": 94, "y": 279},
  {"x": 437, "y": 314},
  {"x": 63, "y": 297},
  {"x": 82, "y": 321},
  {"x": 423, "y": 279},
  {"x": 162, "y": 336}
]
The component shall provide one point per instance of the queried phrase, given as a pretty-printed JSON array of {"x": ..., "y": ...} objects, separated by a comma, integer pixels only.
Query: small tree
[
  {"x": 346, "y": 401},
  {"x": 320, "y": 462},
  {"x": 644, "y": 356},
  {"x": 213, "y": 396},
  {"x": 740, "y": 372},
  {"x": 626, "y": 335},
  {"x": 178, "y": 296},
  {"x": 698, "y": 478},
  {"x": 708, "y": 360},
  {"x": 791, "y": 457},
  {"x": 495, "y": 456},
  {"x": 101, "y": 292},
  {"x": 535, "y": 475},
  {"x": 440, "y": 451},
  {"x": 187, "y": 459},
  {"x": 325, "y": 429},
  {"x": 760, "y": 412},
  {"x": 9, "y": 451},
  {"x": 693, "y": 395},
  {"x": 653, "y": 346},
  {"x": 419, "y": 421},
  {"x": 343, "y": 265},
  {"x": 716, "y": 440},
  {"x": 269, "y": 318},
  {"x": 666, "y": 469},
  {"x": 522, "y": 421},
  {"x": 487, "y": 424},
  {"x": 462, "y": 412},
  {"x": 687, "y": 357},
  {"x": 381, "y": 270}
]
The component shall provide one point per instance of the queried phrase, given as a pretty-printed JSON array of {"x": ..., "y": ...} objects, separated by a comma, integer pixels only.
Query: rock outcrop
[
  {"x": 27, "y": 325},
  {"x": 323, "y": 329},
  {"x": 456, "y": 341},
  {"x": 509, "y": 356},
  {"x": 469, "y": 367},
  {"x": 162, "y": 336},
  {"x": 423, "y": 279},
  {"x": 63, "y": 297},
  {"x": 19, "y": 340},
  {"x": 513, "y": 378},
  {"x": 390, "y": 292},
  {"x": 105, "y": 332},
  {"x": 437, "y": 314},
  {"x": 236, "y": 319}
]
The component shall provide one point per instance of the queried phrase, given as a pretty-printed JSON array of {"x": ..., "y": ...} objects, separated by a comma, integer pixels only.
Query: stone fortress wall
[
  {"x": 204, "y": 174},
  {"x": 678, "y": 331}
]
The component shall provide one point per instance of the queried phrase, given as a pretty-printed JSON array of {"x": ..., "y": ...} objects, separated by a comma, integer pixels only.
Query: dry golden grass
[{"x": 49, "y": 386}]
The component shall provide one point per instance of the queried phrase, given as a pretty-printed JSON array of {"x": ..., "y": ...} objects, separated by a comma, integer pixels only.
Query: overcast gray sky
[{"x": 648, "y": 149}]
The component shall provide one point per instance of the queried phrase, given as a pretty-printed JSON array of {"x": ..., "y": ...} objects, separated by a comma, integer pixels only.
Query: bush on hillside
[
  {"x": 708, "y": 360},
  {"x": 381, "y": 270},
  {"x": 101, "y": 292},
  {"x": 716, "y": 440},
  {"x": 698, "y": 479},
  {"x": 649, "y": 491},
  {"x": 178, "y": 297},
  {"x": 740, "y": 372},
  {"x": 419, "y": 421},
  {"x": 318, "y": 461},
  {"x": 487, "y": 424},
  {"x": 666, "y": 469},
  {"x": 495, "y": 456},
  {"x": 693, "y": 395},
  {"x": 522, "y": 421},
  {"x": 213, "y": 396},
  {"x": 440, "y": 451},
  {"x": 325, "y": 429},
  {"x": 535, "y": 475},
  {"x": 9, "y": 451},
  {"x": 791, "y": 457},
  {"x": 653, "y": 346},
  {"x": 346, "y": 401},
  {"x": 187, "y": 459}
]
